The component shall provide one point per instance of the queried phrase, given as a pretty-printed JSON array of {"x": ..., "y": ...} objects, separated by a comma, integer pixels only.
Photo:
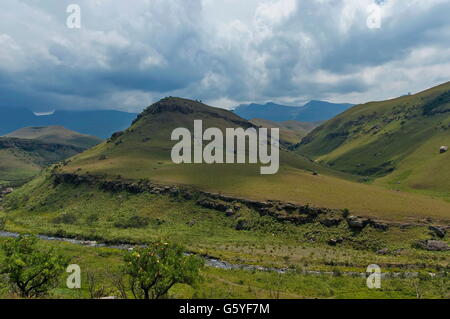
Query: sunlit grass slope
[
  {"x": 143, "y": 151},
  {"x": 397, "y": 140}
]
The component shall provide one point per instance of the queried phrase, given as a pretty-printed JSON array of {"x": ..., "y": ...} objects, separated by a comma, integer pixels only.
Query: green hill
[
  {"x": 22, "y": 159},
  {"x": 396, "y": 141},
  {"x": 127, "y": 190},
  {"x": 56, "y": 135},
  {"x": 291, "y": 132},
  {"x": 23, "y": 153},
  {"x": 143, "y": 152}
]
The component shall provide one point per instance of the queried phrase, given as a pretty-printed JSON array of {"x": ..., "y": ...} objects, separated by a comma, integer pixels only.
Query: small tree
[
  {"x": 157, "y": 268},
  {"x": 31, "y": 271}
]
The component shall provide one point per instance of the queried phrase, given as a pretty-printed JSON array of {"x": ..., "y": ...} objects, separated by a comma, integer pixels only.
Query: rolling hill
[
  {"x": 291, "y": 132},
  {"x": 396, "y": 141},
  {"x": 23, "y": 153},
  {"x": 143, "y": 152},
  {"x": 22, "y": 159},
  {"x": 56, "y": 135},
  {"x": 313, "y": 111}
]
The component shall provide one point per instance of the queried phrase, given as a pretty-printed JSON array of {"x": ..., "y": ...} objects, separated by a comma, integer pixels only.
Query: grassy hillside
[
  {"x": 22, "y": 159},
  {"x": 88, "y": 212},
  {"x": 143, "y": 151},
  {"x": 396, "y": 141},
  {"x": 56, "y": 135},
  {"x": 291, "y": 132}
]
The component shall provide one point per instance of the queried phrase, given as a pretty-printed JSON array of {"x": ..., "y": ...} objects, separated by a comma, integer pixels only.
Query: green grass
[
  {"x": 56, "y": 135},
  {"x": 394, "y": 141},
  {"x": 87, "y": 212},
  {"x": 105, "y": 263},
  {"x": 143, "y": 151}
]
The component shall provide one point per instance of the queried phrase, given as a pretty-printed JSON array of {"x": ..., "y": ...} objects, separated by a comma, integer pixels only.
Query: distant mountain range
[
  {"x": 100, "y": 123},
  {"x": 313, "y": 111}
]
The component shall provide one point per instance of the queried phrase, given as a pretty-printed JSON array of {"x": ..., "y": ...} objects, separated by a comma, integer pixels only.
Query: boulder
[
  {"x": 383, "y": 251},
  {"x": 229, "y": 212},
  {"x": 7, "y": 191},
  {"x": 379, "y": 225},
  {"x": 335, "y": 241},
  {"x": 440, "y": 232},
  {"x": 357, "y": 222},
  {"x": 191, "y": 223},
  {"x": 207, "y": 203},
  {"x": 330, "y": 221},
  {"x": 443, "y": 149},
  {"x": 242, "y": 225},
  {"x": 433, "y": 245}
]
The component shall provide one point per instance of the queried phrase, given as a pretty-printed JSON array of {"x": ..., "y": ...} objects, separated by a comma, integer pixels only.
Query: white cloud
[{"x": 223, "y": 51}]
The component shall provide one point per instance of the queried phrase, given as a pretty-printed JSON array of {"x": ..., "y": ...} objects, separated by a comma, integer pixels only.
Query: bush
[
  {"x": 91, "y": 219},
  {"x": 2, "y": 223},
  {"x": 153, "y": 270},
  {"x": 134, "y": 221},
  {"x": 65, "y": 218},
  {"x": 30, "y": 270},
  {"x": 345, "y": 212}
]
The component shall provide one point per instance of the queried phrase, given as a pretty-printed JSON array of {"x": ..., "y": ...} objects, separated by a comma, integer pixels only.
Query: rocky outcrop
[
  {"x": 211, "y": 204},
  {"x": 6, "y": 191},
  {"x": 335, "y": 241},
  {"x": 356, "y": 223},
  {"x": 331, "y": 221},
  {"x": 281, "y": 211},
  {"x": 438, "y": 231},
  {"x": 433, "y": 245}
]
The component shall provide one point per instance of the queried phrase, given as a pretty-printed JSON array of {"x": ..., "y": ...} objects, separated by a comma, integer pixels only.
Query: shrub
[
  {"x": 134, "y": 221},
  {"x": 65, "y": 218},
  {"x": 345, "y": 212},
  {"x": 153, "y": 270},
  {"x": 30, "y": 270}
]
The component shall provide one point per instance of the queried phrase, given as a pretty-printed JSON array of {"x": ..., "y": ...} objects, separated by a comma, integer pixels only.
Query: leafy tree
[
  {"x": 157, "y": 268},
  {"x": 31, "y": 271}
]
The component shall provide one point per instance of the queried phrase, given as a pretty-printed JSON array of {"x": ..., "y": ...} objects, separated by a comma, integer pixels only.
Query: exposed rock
[
  {"x": 379, "y": 225},
  {"x": 288, "y": 207},
  {"x": 433, "y": 245},
  {"x": 357, "y": 222},
  {"x": 383, "y": 251},
  {"x": 440, "y": 232},
  {"x": 335, "y": 241},
  {"x": 242, "y": 225},
  {"x": 331, "y": 221},
  {"x": 229, "y": 212},
  {"x": 211, "y": 204},
  {"x": 191, "y": 223},
  {"x": 7, "y": 191},
  {"x": 443, "y": 149},
  {"x": 187, "y": 195}
]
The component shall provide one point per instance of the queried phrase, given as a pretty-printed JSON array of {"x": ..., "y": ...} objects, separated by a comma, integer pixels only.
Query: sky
[{"x": 126, "y": 55}]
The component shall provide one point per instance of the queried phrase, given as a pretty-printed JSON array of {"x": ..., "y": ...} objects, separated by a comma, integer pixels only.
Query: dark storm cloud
[{"x": 128, "y": 54}]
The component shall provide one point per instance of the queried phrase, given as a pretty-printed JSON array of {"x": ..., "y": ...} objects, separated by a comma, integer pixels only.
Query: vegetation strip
[{"x": 211, "y": 261}]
